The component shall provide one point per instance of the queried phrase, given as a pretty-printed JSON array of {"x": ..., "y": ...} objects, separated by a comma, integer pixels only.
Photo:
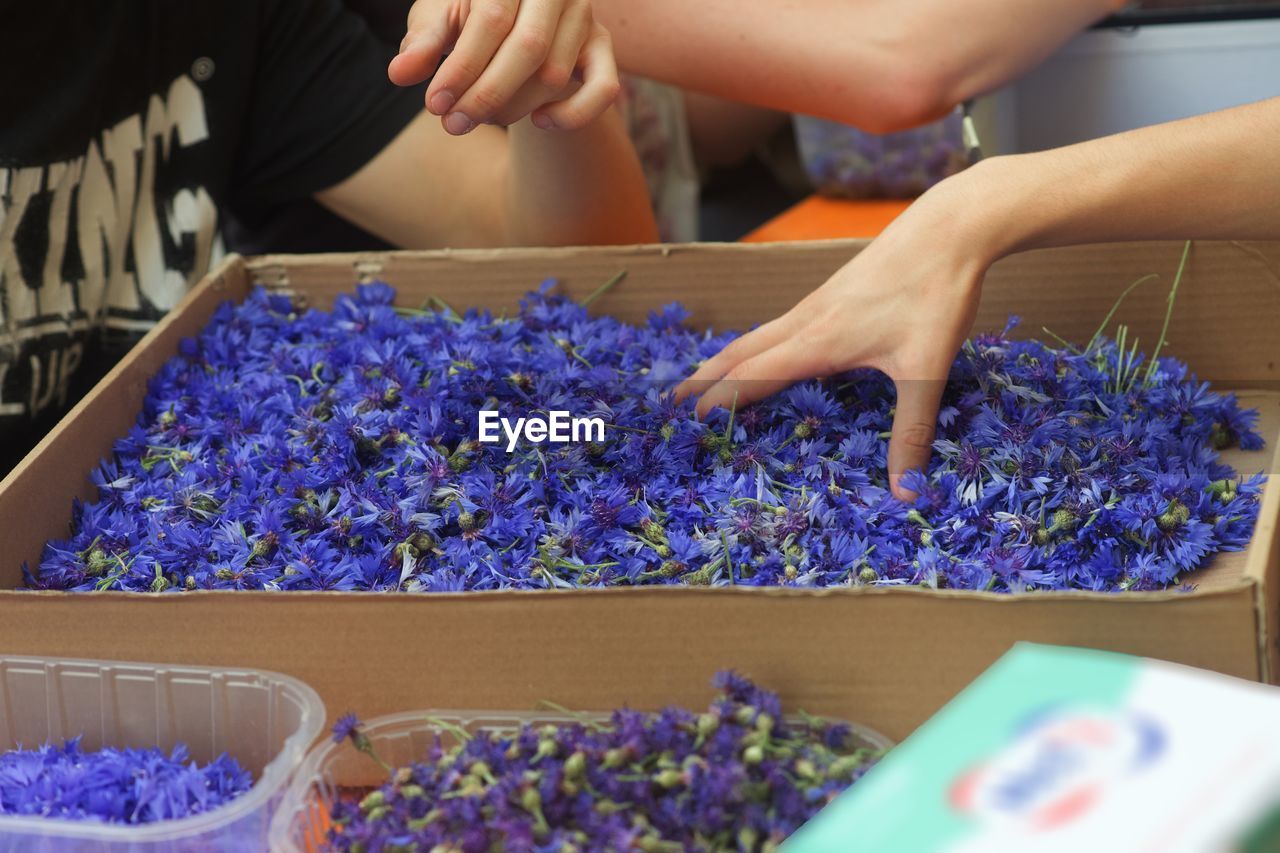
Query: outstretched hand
[
  {"x": 903, "y": 306},
  {"x": 508, "y": 59}
]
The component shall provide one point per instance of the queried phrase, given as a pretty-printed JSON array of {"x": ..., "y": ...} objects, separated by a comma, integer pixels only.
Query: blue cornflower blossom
[
  {"x": 346, "y": 727},
  {"x": 289, "y": 449},
  {"x": 121, "y": 786}
]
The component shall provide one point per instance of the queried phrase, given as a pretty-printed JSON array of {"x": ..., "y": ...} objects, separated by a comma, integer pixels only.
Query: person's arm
[
  {"x": 572, "y": 179},
  {"x": 881, "y": 65},
  {"x": 905, "y": 304},
  {"x": 520, "y": 187}
]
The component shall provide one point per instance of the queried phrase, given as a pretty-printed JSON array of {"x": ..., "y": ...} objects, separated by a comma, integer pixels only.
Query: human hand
[
  {"x": 903, "y": 306},
  {"x": 548, "y": 59}
]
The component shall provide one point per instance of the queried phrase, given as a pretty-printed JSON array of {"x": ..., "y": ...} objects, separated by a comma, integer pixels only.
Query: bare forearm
[
  {"x": 1211, "y": 177},
  {"x": 878, "y": 64},
  {"x": 576, "y": 187}
]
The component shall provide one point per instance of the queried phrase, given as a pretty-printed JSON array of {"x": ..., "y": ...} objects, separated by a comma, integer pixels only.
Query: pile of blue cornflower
[
  {"x": 738, "y": 777},
  {"x": 287, "y": 450},
  {"x": 125, "y": 786}
]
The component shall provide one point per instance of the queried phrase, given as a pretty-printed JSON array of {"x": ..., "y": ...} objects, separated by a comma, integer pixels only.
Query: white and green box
[{"x": 1063, "y": 749}]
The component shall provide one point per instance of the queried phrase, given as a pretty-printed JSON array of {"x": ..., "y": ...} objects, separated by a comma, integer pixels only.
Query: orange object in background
[{"x": 819, "y": 218}]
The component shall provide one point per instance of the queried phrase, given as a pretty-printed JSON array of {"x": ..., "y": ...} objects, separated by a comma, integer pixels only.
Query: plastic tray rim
[{"x": 274, "y": 780}]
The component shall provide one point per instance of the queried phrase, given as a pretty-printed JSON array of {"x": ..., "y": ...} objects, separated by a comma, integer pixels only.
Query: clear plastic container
[
  {"x": 301, "y": 823},
  {"x": 264, "y": 720}
]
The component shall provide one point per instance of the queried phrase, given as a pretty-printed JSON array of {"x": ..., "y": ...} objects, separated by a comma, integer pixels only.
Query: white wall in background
[{"x": 1107, "y": 81}]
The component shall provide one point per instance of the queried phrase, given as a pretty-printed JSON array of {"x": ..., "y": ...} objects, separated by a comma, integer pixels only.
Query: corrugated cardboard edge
[
  {"x": 87, "y": 433},
  {"x": 1263, "y": 571},
  {"x": 887, "y": 659}
]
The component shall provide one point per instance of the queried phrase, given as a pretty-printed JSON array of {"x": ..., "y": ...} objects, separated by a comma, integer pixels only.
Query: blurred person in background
[
  {"x": 130, "y": 127},
  {"x": 711, "y": 87}
]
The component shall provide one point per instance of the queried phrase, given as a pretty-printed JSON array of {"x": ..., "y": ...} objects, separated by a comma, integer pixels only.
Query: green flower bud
[
  {"x": 753, "y": 755},
  {"x": 707, "y": 724},
  {"x": 615, "y": 758},
  {"x": 805, "y": 769},
  {"x": 608, "y": 807},
  {"x": 373, "y": 800},
  {"x": 547, "y": 748},
  {"x": 530, "y": 799},
  {"x": 1063, "y": 519},
  {"x": 1174, "y": 517},
  {"x": 844, "y": 766},
  {"x": 868, "y": 575},
  {"x": 419, "y": 824},
  {"x": 669, "y": 778},
  {"x": 98, "y": 562},
  {"x": 575, "y": 765},
  {"x": 667, "y": 432}
]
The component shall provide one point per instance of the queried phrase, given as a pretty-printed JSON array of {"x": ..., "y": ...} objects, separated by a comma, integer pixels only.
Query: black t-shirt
[{"x": 126, "y": 126}]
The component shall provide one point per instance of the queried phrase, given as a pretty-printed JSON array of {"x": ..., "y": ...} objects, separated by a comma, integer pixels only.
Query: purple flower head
[{"x": 348, "y": 726}]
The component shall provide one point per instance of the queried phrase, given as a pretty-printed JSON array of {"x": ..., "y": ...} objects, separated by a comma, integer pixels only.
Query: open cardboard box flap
[{"x": 886, "y": 658}]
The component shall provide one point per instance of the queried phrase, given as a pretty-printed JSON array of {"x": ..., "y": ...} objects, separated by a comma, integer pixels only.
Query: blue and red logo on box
[{"x": 1059, "y": 764}]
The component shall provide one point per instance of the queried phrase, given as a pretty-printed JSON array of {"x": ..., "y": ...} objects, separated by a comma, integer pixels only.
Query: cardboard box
[{"x": 887, "y": 658}]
